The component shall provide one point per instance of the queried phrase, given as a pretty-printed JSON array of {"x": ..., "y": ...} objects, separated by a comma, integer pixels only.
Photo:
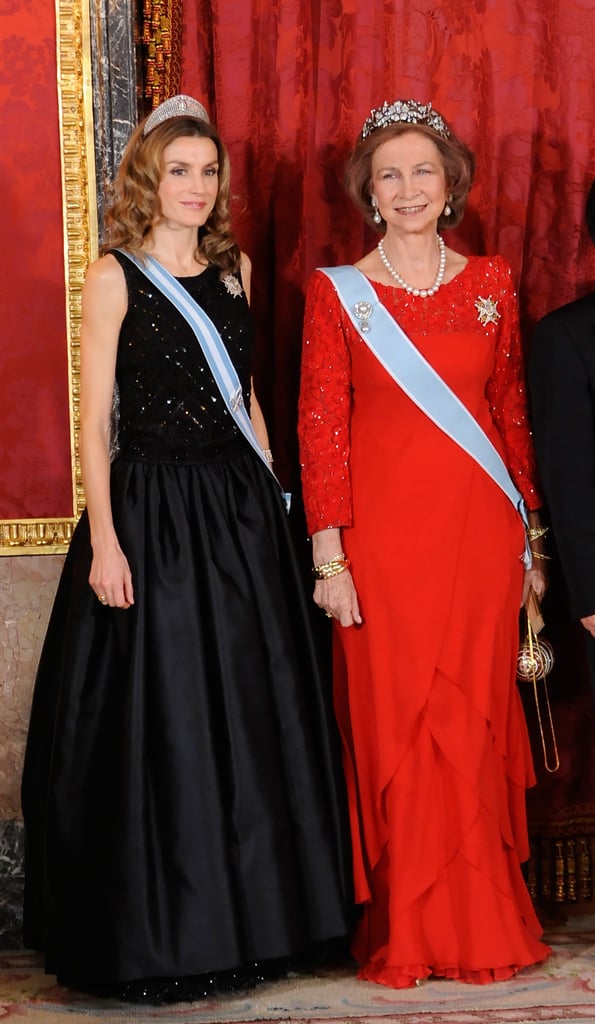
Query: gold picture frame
[{"x": 79, "y": 212}]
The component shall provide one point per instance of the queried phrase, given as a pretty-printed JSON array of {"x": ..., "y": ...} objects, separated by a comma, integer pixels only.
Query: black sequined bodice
[{"x": 170, "y": 407}]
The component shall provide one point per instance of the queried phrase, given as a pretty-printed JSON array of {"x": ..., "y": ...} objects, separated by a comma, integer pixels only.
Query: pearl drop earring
[
  {"x": 447, "y": 209},
  {"x": 376, "y": 218}
]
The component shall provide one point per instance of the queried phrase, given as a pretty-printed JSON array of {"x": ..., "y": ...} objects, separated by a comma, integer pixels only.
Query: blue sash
[
  {"x": 419, "y": 380},
  {"x": 212, "y": 345}
]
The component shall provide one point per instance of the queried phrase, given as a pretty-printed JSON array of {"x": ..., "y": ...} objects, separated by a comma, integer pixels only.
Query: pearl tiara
[
  {"x": 175, "y": 106},
  {"x": 408, "y": 111}
]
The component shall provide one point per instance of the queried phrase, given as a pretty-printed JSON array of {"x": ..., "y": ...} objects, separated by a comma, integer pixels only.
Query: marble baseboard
[{"x": 11, "y": 884}]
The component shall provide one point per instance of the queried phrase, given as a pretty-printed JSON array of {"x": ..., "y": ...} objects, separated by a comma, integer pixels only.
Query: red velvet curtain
[{"x": 289, "y": 82}]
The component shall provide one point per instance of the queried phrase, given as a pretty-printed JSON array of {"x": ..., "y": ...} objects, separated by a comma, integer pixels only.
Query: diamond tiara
[
  {"x": 175, "y": 106},
  {"x": 408, "y": 111}
]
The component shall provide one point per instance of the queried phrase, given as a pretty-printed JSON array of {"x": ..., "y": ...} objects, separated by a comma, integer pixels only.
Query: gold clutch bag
[{"x": 535, "y": 661}]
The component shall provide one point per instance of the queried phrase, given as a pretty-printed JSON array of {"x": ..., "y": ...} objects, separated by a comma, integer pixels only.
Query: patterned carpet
[{"x": 561, "y": 990}]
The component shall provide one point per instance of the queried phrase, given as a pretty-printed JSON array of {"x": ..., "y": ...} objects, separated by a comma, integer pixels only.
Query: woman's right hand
[
  {"x": 104, "y": 305},
  {"x": 110, "y": 576},
  {"x": 337, "y": 596}
]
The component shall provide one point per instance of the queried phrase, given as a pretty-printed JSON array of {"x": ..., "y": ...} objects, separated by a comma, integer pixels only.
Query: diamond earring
[{"x": 376, "y": 218}]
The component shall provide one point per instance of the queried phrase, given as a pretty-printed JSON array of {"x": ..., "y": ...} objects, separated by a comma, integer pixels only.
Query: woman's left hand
[{"x": 537, "y": 579}]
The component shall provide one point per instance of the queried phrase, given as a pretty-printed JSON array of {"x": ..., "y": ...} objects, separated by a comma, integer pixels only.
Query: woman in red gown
[{"x": 418, "y": 558}]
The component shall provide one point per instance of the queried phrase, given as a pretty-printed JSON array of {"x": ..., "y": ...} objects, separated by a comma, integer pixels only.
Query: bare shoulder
[
  {"x": 245, "y": 273},
  {"x": 105, "y": 294},
  {"x": 105, "y": 272},
  {"x": 245, "y": 264},
  {"x": 105, "y": 281}
]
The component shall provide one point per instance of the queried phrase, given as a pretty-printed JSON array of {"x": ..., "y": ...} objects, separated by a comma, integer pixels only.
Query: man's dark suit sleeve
[{"x": 564, "y": 431}]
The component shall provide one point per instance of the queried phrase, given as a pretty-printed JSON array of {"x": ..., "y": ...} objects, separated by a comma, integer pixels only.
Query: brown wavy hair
[
  {"x": 457, "y": 160},
  {"x": 134, "y": 203}
]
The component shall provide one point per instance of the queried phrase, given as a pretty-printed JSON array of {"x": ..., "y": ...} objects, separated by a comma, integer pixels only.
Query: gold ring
[{"x": 103, "y": 598}]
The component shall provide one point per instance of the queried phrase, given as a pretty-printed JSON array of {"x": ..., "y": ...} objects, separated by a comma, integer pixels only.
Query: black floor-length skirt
[{"x": 181, "y": 797}]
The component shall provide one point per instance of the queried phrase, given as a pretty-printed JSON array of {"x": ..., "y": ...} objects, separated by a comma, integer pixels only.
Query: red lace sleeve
[
  {"x": 507, "y": 393},
  {"x": 324, "y": 410}
]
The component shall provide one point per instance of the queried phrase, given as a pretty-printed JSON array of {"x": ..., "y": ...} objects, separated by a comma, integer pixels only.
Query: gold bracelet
[
  {"x": 333, "y": 567},
  {"x": 539, "y": 554},
  {"x": 335, "y": 570},
  {"x": 268, "y": 455},
  {"x": 535, "y": 532},
  {"x": 332, "y": 561}
]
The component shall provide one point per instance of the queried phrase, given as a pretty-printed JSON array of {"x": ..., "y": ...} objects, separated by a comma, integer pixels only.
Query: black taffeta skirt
[{"x": 181, "y": 792}]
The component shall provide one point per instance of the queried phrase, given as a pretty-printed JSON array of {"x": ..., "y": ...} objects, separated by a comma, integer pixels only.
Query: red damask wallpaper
[{"x": 35, "y": 461}]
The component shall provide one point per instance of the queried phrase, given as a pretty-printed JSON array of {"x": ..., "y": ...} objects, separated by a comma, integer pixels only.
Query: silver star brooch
[
  {"x": 233, "y": 285},
  {"x": 487, "y": 310}
]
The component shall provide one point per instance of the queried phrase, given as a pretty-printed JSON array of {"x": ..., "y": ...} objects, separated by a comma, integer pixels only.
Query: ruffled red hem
[{"x": 413, "y": 974}]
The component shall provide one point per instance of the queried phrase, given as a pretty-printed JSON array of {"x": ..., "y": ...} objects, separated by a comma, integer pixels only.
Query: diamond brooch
[
  {"x": 362, "y": 312},
  {"x": 233, "y": 285},
  {"x": 487, "y": 310}
]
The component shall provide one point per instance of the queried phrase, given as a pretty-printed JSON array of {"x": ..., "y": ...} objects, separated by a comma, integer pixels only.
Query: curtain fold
[{"x": 289, "y": 83}]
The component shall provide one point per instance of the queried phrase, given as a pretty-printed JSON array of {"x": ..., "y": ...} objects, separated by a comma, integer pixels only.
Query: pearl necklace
[{"x": 424, "y": 293}]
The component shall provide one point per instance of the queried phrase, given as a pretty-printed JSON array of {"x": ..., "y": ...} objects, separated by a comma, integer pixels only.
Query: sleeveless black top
[{"x": 170, "y": 407}]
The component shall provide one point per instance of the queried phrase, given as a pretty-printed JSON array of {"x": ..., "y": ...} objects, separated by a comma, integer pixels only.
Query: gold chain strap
[{"x": 549, "y": 768}]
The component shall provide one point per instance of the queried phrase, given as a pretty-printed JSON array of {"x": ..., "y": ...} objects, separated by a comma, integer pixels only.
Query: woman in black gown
[{"x": 181, "y": 806}]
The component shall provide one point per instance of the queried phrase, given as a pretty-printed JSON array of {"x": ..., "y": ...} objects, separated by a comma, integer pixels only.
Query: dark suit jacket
[{"x": 562, "y": 386}]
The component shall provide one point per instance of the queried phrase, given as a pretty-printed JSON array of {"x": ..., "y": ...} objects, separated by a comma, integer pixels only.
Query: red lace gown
[{"x": 435, "y": 746}]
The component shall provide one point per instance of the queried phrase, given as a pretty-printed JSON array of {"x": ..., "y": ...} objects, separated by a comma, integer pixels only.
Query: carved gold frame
[{"x": 79, "y": 211}]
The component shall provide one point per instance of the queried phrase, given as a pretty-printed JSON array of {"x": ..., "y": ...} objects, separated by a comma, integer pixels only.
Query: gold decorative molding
[
  {"x": 560, "y": 870},
  {"x": 79, "y": 211},
  {"x": 162, "y": 43}
]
